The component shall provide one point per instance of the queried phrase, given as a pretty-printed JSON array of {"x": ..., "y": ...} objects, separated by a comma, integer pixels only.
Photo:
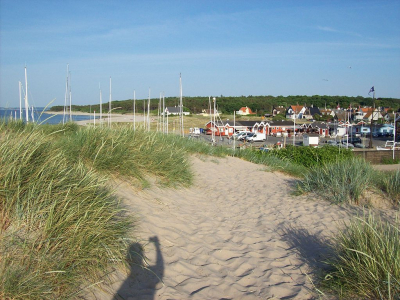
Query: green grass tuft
[
  {"x": 60, "y": 225},
  {"x": 341, "y": 182},
  {"x": 366, "y": 260}
]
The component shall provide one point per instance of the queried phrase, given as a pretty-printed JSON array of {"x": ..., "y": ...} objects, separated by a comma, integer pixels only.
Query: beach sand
[
  {"x": 117, "y": 118},
  {"x": 237, "y": 233}
]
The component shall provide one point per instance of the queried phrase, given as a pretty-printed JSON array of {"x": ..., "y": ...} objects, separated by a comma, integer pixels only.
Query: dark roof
[
  {"x": 314, "y": 110},
  {"x": 281, "y": 123},
  {"x": 247, "y": 123},
  {"x": 321, "y": 125},
  {"x": 173, "y": 109}
]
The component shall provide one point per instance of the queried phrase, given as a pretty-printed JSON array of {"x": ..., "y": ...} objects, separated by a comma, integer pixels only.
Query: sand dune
[{"x": 238, "y": 233}]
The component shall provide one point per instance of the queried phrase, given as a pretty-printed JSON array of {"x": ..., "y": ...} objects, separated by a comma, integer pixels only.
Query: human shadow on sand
[{"x": 144, "y": 279}]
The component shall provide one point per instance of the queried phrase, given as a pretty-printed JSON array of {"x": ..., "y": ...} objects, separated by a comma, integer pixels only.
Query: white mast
[
  {"x": 211, "y": 119},
  {"x": 20, "y": 99},
  {"x": 163, "y": 112},
  {"x": 32, "y": 114},
  {"x": 26, "y": 98},
  {"x": 181, "y": 106},
  {"x": 215, "y": 126},
  {"x": 234, "y": 127},
  {"x": 294, "y": 127},
  {"x": 109, "y": 107}
]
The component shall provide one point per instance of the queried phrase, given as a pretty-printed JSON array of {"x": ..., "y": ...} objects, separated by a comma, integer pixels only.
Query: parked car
[
  {"x": 359, "y": 145},
  {"x": 249, "y": 136},
  {"x": 257, "y": 137},
  {"x": 244, "y": 135},
  {"x": 351, "y": 140},
  {"x": 238, "y": 135}
]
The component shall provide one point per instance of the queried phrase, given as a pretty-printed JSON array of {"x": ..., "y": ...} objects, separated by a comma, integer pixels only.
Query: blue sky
[{"x": 221, "y": 47}]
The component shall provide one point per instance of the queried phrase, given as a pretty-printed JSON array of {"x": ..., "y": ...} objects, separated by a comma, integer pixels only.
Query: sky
[{"x": 220, "y": 47}]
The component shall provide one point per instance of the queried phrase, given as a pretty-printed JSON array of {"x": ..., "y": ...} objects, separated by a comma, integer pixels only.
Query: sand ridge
[{"x": 237, "y": 233}]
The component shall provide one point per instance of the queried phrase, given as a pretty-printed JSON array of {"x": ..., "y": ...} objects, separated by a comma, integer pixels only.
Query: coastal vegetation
[
  {"x": 365, "y": 260},
  {"x": 62, "y": 227}
]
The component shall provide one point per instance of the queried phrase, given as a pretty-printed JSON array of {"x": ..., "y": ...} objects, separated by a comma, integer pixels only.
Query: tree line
[{"x": 227, "y": 105}]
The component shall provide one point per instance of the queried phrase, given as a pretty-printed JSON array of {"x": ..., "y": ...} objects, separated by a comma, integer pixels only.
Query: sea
[{"x": 40, "y": 116}]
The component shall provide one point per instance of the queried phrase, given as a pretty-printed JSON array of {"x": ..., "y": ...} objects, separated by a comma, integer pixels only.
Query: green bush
[
  {"x": 309, "y": 157},
  {"x": 366, "y": 260}
]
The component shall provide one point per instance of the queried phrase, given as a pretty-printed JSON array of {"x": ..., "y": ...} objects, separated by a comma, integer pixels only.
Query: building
[
  {"x": 310, "y": 113},
  {"x": 175, "y": 111},
  {"x": 209, "y": 112},
  {"x": 295, "y": 112},
  {"x": 244, "y": 111}
]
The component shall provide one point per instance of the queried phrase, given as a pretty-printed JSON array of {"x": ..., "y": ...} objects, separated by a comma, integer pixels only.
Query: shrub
[{"x": 309, "y": 157}]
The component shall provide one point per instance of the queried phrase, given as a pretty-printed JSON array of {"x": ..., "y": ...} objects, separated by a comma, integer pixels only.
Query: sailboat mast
[
  {"x": 181, "y": 104},
  {"x": 26, "y": 98},
  {"x": 215, "y": 126}
]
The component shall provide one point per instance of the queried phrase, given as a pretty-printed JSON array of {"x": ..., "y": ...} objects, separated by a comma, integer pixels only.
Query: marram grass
[
  {"x": 389, "y": 183},
  {"x": 60, "y": 226},
  {"x": 134, "y": 154},
  {"x": 341, "y": 182},
  {"x": 366, "y": 260}
]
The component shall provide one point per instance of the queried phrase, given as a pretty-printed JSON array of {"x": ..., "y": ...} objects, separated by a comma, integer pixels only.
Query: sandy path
[{"x": 238, "y": 233}]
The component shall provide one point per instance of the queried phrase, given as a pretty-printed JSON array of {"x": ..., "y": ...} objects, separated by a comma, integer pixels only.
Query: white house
[
  {"x": 244, "y": 111},
  {"x": 175, "y": 111},
  {"x": 295, "y": 112}
]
